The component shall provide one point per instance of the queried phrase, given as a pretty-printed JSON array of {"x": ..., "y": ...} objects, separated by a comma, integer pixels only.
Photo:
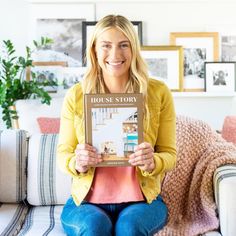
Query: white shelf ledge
[
  {"x": 203, "y": 94},
  {"x": 130, "y": 1}
]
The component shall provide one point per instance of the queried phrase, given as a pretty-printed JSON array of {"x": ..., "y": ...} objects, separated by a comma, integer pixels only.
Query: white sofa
[{"x": 33, "y": 190}]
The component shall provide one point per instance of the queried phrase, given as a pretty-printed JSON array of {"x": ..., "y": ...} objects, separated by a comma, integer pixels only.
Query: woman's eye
[
  {"x": 124, "y": 45},
  {"x": 106, "y": 46}
]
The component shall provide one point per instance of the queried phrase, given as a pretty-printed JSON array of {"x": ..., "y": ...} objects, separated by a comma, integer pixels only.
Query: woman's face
[{"x": 114, "y": 54}]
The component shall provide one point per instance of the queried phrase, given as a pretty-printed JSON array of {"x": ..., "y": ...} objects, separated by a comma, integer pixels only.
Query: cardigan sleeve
[
  {"x": 67, "y": 136},
  {"x": 165, "y": 145}
]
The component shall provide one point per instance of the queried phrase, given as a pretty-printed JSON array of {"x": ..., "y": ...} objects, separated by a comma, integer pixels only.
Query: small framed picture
[
  {"x": 228, "y": 48},
  {"x": 71, "y": 76},
  {"x": 199, "y": 47},
  {"x": 87, "y": 30},
  {"x": 165, "y": 63},
  {"x": 46, "y": 73},
  {"x": 220, "y": 76}
]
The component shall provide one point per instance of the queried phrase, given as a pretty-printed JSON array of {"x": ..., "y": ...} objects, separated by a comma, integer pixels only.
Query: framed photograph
[
  {"x": 165, "y": 63},
  {"x": 48, "y": 74},
  {"x": 61, "y": 22},
  {"x": 87, "y": 30},
  {"x": 227, "y": 40},
  {"x": 220, "y": 76},
  {"x": 71, "y": 75},
  {"x": 228, "y": 48},
  {"x": 199, "y": 47}
]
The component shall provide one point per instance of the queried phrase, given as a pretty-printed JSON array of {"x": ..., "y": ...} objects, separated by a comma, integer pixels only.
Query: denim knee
[
  {"x": 126, "y": 225},
  {"x": 142, "y": 219},
  {"x": 85, "y": 220}
]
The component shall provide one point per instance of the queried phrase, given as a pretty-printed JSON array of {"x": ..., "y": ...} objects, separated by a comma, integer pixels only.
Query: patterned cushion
[
  {"x": 229, "y": 129},
  {"x": 46, "y": 184},
  {"x": 48, "y": 125},
  {"x": 43, "y": 220},
  {"x": 12, "y": 217},
  {"x": 13, "y": 154}
]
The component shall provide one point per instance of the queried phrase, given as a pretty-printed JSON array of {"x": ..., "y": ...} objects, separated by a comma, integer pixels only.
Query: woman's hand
[
  {"x": 86, "y": 155},
  {"x": 143, "y": 157}
]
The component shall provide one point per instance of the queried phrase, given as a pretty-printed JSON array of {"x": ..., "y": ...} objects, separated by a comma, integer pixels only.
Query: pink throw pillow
[
  {"x": 49, "y": 125},
  {"x": 229, "y": 129}
]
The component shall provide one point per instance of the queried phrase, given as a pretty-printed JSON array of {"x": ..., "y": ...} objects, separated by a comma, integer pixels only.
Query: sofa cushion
[
  {"x": 43, "y": 220},
  {"x": 13, "y": 154},
  {"x": 46, "y": 184},
  {"x": 12, "y": 217},
  {"x": 229, "y": 129},
  {"x": 48, "y": 125}
]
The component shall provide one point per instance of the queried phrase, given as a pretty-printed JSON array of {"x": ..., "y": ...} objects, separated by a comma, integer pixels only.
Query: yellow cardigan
[{"x": 161, "y": 133}]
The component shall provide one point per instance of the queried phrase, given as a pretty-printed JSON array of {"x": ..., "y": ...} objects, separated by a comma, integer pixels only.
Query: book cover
[{"x": 114, "y": 125}]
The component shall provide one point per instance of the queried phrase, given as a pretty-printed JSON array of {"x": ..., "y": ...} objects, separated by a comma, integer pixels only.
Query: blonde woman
[{"x": 117, "y": 200}]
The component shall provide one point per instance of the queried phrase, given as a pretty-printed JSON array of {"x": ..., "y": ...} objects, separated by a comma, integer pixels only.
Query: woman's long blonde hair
[{"x": 93, "y": 80}]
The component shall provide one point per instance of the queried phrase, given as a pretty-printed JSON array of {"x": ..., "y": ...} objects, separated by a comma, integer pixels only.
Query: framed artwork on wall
[
  {"x": 87, "y": 30},
  {"x": 61, "y": 22},
  {"x": 165, "y": 63},
  {"x": 228, "y": 48},
  {"x": 199, "y": 47},
  {"x": 71, "y": 76},
  {"x": 220, "y": 76},
  {"x": 48, "y": 74},
  {"x": 227, "y": 40}
]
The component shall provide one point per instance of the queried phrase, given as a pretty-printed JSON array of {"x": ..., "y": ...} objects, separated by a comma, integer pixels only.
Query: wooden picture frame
[
  {"x": 46, "y": 70},
  {"x": 165, "y": 63},
  {"x": 87, "y": 29},
  {"x": 220, "y": 77},
  {"x": 199, "y": 47}
]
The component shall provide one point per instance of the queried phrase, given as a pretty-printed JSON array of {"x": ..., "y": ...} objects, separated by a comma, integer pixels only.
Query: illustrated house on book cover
[{"x": 114, "y": 125}]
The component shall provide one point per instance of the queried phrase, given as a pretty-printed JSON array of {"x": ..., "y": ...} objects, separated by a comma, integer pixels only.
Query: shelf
[
  {"x": 203, "y": 94},
  {"x": 131, "y": 1}
]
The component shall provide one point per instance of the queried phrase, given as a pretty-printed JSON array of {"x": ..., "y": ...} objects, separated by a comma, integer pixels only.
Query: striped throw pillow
[{"x": 46, "y": 184}]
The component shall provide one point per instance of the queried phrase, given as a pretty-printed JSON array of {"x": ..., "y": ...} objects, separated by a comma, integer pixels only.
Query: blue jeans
[{"x": 131, "y": 219}]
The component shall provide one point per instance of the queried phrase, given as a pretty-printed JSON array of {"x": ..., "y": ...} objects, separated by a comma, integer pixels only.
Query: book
[{"x": 114, "y": 125}]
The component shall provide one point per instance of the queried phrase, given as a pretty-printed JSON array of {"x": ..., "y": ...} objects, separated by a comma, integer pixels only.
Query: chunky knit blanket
[{"x": 188, "y": 189}]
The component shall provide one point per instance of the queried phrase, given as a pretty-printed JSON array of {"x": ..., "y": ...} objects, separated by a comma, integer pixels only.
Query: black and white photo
[
  {"x": 48, "y": 74},
  {"x": 165, "y": 63},
  {"x": 194, "y": 59},
  {"x": 63, "y": 23},
  {"x": 228, "y": 48},
  {"x": 220, "y": 76},
  {"x": 71, "y": 76},
  {"x": 67, "y": 40}
]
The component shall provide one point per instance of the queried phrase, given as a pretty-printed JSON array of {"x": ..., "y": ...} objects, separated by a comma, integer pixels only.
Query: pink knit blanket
[{"x": 188, "y": 189}]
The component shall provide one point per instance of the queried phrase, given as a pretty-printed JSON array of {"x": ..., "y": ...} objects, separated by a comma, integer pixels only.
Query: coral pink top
[{"x": 115, "y": 185}]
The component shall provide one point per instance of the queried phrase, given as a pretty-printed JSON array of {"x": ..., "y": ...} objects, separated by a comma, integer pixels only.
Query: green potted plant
[{"x": 13, "y": 85}]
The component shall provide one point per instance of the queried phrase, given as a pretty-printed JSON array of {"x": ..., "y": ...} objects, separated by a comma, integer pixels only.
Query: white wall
[{"x": 159, "y": 19}]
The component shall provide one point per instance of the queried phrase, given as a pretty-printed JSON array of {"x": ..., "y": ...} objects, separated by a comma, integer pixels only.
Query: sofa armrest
[
  {"x": 13, "y": 163},
  {"x": 225, "y": 197}
]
